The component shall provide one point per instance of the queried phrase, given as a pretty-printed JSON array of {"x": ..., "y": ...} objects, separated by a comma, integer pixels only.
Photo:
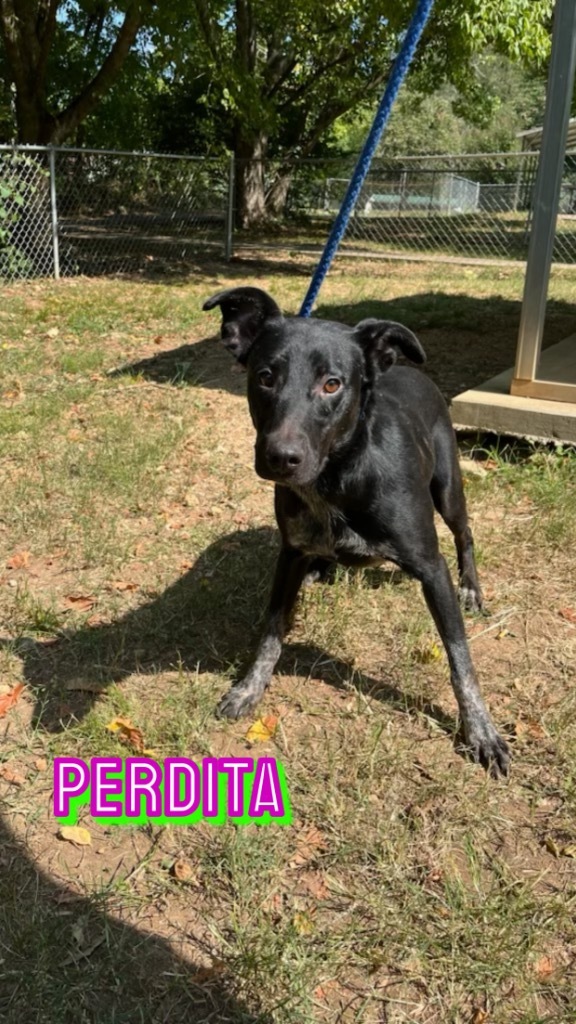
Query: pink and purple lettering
[
  {"x": 266, "y": 790},
  {"x": 101, "y": 767},
  {"x": 178, "y": 771},
  {"x": 236, "y": 769},
  {"x": 210, "y": 787},
  {"x": 143, "y": 777},
  {"x": 71, "y": 779}
]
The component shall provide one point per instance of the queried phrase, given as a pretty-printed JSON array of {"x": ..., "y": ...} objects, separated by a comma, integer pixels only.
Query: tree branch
[
  {"x": 83, "y": 104},
  {"x": 209, "y": 29}
]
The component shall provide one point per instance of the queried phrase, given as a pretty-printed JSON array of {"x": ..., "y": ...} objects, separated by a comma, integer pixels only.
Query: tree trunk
[
  {"x": 278, "y": 193},
  {"x": 250, "y": 188}
]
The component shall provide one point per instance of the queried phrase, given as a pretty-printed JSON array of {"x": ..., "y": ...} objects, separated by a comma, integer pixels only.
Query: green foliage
[
  {"x": 20, "y": 180},
  {"x": 200, "y": 70},
  {"x": 509, "y": 99},
  {"x": 271, "y": 80}
]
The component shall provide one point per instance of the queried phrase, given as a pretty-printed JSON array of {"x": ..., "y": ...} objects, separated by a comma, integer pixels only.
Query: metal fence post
[
  {"x": 546, "y": 197},
  {"x": 54, "y": 210},
  {"x": 229, "y": 240}
]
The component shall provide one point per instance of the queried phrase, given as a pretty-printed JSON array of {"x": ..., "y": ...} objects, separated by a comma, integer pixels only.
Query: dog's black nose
[{"x": 285, "y": 458}]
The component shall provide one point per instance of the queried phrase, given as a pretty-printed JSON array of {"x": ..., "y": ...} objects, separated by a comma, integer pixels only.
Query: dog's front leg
[
  {"x": 485, "y": 744},
  {"x": 291, "y": 569}
]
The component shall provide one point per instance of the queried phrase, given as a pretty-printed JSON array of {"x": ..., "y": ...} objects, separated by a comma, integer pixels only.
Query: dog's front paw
[
  {"x": 488, "y": 748},
  {"x": 470, "y": 598},
  {"x": 239, "y": 700}
]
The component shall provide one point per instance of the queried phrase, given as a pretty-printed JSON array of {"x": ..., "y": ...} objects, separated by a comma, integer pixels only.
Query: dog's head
[{"x": 309, "y": 381}]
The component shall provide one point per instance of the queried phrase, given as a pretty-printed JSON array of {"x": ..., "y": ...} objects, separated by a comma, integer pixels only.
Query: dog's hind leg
[
  {"x": 243, "y": 696},
  {"x": 319, "y": 571},
  {"x": 448, "y": 497}
]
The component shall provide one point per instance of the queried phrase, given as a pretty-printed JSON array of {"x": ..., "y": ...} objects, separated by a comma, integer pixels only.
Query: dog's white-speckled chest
[{"x": 320, "y": 529}]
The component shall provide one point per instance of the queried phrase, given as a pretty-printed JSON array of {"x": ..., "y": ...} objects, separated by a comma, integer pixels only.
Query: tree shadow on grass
[
  {"x": 126, "y": 976},
  {"x": 467, "y": 340},
  {"x": 205, "y": 622}
]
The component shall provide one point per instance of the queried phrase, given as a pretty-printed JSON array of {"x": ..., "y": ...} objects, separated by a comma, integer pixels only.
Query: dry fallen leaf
[
  {"x": 569, "y": 614},
  {"x": 262, "y": 730},
  {"x": 182, "y": 870},
  {"x": 19, "y": 560},
  {"x": 544, "y": 967},
  {"x": 7, "y": 700},
  {"x": 15, "y": 778},
  {"x": 122, "y": 585},
  {"x": 529, "y": 727},
  {"x": 479, "y": 1017},
  {"x": 81, "y": 601},
  {"x": 314, "y": 882},
  {"x": 75, "y": 834},
  {"x": 308, "y": 845},
  {"x": 127, "y": 733},
  {"x": 40, "y": 764}
]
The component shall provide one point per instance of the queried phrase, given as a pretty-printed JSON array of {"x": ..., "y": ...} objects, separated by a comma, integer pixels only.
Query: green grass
[{"x": 136, "y": 550}]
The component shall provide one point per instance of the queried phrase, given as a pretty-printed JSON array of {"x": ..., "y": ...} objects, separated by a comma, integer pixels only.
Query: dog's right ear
[{"x": 244, "y": 311}]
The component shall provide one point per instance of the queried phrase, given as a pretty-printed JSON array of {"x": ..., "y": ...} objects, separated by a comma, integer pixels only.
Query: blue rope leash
[{"x": 398, "y": 73}]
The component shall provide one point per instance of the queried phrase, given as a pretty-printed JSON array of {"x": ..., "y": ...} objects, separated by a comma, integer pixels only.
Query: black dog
[{"x": 361, "y": 452}]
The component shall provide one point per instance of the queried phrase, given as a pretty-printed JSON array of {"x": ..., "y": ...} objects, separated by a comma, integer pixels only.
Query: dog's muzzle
[{"x": 284, "y": 461}]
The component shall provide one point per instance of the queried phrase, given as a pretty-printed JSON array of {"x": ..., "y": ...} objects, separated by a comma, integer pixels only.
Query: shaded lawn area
[{"x": 136, "y": 547}]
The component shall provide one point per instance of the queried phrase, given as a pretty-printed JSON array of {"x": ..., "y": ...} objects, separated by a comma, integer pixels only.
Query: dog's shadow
[
  {"x": 44, "y": 977},
  {"x": 208, "y": 621}
]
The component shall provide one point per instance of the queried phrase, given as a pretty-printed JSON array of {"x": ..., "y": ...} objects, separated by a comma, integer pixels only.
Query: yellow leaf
[
  {"x": 431, "y": 652},
  {"x": 128, "y": 733},
  {"x": 116, "y": 724},
  {"x": 303, "y": 924},
  {"x": 262, "y": 730},
  {"x": 76, "y": 834}
]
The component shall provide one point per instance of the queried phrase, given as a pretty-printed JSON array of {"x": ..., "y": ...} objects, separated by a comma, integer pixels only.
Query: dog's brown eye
[
  {"x": 266, "y": 379},
  {"x": 331, "y": 386}
]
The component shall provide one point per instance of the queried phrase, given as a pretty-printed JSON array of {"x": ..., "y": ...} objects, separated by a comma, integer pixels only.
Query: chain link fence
[
  {"x": 475, "y": 206},
  {"x": 65, "y": 211}
]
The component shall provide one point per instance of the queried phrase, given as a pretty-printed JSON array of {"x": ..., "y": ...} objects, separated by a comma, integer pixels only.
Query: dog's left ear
[
  {"x": 382, "y": 340},
  {"x": 244, "y": 311}
]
